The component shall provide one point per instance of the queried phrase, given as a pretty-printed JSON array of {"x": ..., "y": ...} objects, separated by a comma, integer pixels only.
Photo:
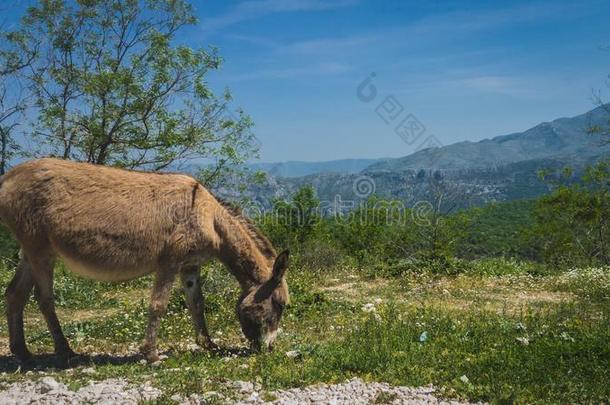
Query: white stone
[
  {"x": 292, "y": 354},
  {"x": 48, "y": 384}
]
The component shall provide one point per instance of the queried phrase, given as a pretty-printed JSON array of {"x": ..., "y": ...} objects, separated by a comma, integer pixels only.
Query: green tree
[
  {"x": 572, "y": 223},
  {"x": 436, "y": 238},
  {"x": 370, "y": 232},
  {"x": 113, "y": 86},
  {"x": 291, "y": 223},
  {"x": 436, "y": 230},
  {"x": 602, "y": 131},
  {"x": 12, "y": 107},
  {"x": 15, "y": 56},
  {"x": 305, "y": 213},
  {"x": 497, "y": 229}
]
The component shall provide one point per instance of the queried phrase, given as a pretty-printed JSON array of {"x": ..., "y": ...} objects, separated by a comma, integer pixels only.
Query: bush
[
  {"x": 572, "y": 227},
  {"x": 291, "y": 223},
  {"x": 372, "y": 233},
  {"x": 320, "y": 254},
  {"x": 497, "y": 230}
]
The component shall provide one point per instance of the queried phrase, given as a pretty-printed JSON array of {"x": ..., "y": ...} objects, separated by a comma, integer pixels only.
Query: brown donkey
[{"x": 114, "y": 225}]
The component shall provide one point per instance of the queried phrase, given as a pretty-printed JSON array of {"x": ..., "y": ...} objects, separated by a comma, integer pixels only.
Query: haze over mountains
[
  {"x": 298, "y": 169},
  {"x": 502, "y": 168}
]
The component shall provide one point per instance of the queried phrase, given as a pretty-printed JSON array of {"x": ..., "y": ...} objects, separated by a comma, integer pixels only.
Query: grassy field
[{"x": 503, "y": 332}]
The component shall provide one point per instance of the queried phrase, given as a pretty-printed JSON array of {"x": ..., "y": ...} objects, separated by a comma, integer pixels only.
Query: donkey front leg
[
  {"x": 42, "y": 273},
  {"x": 191, "y": 283},
  {"x": 17, "y": 294},
  {"x": 161, "y": 292}
]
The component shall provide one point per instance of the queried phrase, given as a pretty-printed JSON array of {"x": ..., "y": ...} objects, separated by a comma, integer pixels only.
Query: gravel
[
  {"x": 47, "y": 390},
  {"x": 354, "y": 391}
]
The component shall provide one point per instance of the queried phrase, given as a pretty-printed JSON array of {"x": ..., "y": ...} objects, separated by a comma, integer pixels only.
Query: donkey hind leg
[
  {"x": 191, "y": 283},
  {"x": 17, "y": 294},
  {"x": 42, "y": 272},
  {"x": 161, "y": 292}
]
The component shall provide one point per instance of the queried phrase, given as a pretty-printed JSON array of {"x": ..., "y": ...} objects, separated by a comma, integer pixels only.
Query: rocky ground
[{"x": 47, "y": 390}]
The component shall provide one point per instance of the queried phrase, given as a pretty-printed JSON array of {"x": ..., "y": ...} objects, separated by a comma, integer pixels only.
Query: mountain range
[{"x": 497, "y": 169}]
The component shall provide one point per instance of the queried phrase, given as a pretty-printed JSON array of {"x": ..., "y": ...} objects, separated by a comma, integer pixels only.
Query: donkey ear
[{"x": 280, "y": 265}]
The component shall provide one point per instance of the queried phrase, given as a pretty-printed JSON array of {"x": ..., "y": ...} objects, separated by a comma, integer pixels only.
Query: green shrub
[
  {"x": 572, "y": 227},
  {"x": 497, "y": 229},
  {"x": 371, "y": 233},
  {"x": 291, "y": 223}
]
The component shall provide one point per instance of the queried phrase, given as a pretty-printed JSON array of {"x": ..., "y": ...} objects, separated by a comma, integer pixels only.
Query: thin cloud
[
  {"x": 480, "y": 20},
  {"x": 328, "y": 46},
  {"x": 249, "y": 10},
  {"x": 328, "y": 56},
  {"x": 253, "y": 40},
  {"x": 416, "y": 34},
  {"x": 319, "y": 69},
  {"x": 507, "y": 85}
]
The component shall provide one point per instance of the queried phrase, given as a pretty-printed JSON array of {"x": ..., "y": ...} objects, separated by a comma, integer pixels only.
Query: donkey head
[{"x": 260, "y": 309}]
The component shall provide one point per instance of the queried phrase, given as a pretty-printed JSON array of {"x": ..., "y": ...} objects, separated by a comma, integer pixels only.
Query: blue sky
[{"x": 466, "y": 69}]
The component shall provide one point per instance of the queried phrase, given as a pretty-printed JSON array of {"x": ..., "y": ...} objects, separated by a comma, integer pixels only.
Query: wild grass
[
  {"x": 592, "y": 283},
  {"x": 473, "y": 336}
]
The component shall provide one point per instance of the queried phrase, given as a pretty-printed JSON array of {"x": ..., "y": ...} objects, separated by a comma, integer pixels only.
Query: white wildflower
[
  {"x": 523, "y": 340},
  {"x": 193, "y": 347},
  {"x": 293, "y": 354}
]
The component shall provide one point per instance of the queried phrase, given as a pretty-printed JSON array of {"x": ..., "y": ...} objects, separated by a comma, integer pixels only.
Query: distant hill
[
  {"x": 498, "y": 169},
  {"x": 299, "y": 169},
  {"x": 564, "y": 138}
]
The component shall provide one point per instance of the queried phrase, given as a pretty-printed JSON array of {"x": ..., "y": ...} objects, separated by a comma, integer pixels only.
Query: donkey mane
[{"x": 261, "y": 241}]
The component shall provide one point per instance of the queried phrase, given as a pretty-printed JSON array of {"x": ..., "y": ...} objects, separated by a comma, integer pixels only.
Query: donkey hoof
[
  {"x": 24, "y": 357},
  {"x": 211, "y": 346},
  {"x": 67, "y": 358},
  {"x": 152, "y": 358},
  {"x": 207, "y": 344},
  {"x": 149, "y": 353},
  {"x": 68, "y": 353}
]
